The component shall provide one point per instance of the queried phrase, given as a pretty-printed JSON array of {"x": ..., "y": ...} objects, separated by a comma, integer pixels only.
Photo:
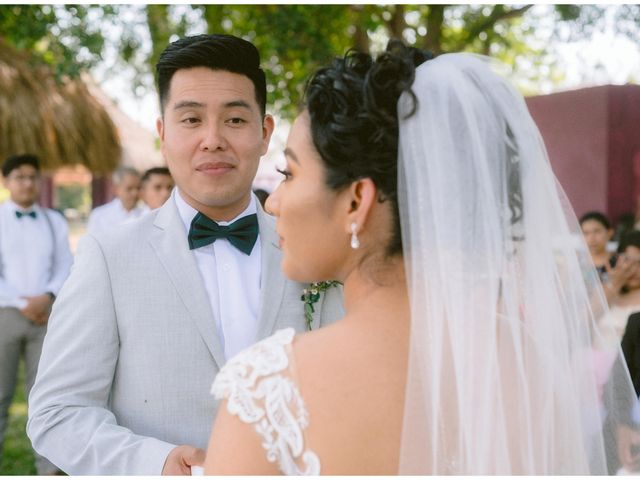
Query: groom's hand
[{"x": 181, "y": 458}]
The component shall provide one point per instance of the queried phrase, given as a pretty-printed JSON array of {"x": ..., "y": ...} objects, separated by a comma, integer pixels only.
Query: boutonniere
[{"x": 311, "y": 295}]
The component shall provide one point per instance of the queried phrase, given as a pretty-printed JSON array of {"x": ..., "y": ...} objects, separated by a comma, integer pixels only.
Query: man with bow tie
[
  {"x": 34, "y": 262},
  {"x": 153, "y": 310}
]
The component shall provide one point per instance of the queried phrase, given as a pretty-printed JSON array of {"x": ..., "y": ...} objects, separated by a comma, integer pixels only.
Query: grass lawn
[{"x": 18, "y": 459}]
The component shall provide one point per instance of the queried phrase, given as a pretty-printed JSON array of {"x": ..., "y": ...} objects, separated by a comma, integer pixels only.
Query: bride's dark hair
[{"x": 352, "y": 105}]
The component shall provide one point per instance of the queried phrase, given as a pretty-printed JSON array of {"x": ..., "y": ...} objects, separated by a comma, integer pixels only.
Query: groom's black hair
[
  {"x": 217, "y": 52},
  {"x": 353, "y": 106}
]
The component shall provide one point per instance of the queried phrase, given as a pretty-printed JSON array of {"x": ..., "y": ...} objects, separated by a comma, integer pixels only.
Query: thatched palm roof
[
  {"x": 61, "y": 123},
  {"x": 140, "y": 146}
]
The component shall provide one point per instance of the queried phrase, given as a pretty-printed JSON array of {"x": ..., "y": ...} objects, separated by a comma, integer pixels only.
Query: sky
[{"x": 607, "y": 57}]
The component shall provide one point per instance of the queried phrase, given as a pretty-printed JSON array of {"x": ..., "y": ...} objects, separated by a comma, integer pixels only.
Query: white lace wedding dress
[{"x": 260, "y": 389}]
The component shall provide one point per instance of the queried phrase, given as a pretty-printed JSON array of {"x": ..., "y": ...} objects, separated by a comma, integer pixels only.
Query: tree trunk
[
  {"x": 433, "y": 38},
  {"x": 159, "y": 29},
  {"x": 397, "y": 24},
  {"x": 360, "y": 37}
]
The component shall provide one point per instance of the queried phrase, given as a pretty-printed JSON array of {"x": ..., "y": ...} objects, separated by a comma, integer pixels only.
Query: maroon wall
[
  {"x": 624, "y": 147},
  {"x": 574, "y": 128},
  {"x": 593, "y": 136},
  {"x": 46, "y": 192},
  {"x": 101, "y": 191}
]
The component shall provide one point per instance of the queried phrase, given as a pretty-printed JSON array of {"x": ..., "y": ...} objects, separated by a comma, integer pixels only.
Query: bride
[{"x": 470, "y": 331}]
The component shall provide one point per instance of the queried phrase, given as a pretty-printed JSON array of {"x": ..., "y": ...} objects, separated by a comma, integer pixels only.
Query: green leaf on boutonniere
[{"x": 311, "y": 295}]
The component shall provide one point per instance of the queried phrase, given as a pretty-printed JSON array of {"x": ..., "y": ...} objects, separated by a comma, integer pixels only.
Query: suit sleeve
[
  {"x": 91, "y": 221},
  {"x": 69, "y": 418}
]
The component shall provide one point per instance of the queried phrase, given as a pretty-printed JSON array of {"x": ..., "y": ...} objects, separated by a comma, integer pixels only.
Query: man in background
[
  {"x": 156, "y": 186},
  {"x": 34, "y": 262},
  {"x": 124, "y": 207}
]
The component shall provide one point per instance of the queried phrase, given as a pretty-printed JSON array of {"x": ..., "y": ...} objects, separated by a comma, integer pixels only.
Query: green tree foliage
[
  {"x": 66, "y": 37},
  {"x": 295, "y": 39},
  {"x": 74, "y": 195}
]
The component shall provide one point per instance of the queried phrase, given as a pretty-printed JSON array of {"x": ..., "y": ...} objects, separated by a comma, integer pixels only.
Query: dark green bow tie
[
  {"x": 242, "y": 233},
  {"x": 31, "y": 214}
]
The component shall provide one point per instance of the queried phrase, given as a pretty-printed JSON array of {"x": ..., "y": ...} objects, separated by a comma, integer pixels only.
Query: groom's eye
[
  {"x": 236, "y": 121},
  {"x": 190, "y": 120}
]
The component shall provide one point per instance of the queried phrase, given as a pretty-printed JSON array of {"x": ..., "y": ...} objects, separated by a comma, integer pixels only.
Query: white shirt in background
[
  {"x": 105, "y": 217},
  {"x": 33, "y": 258},
  {"x": 232, "y": 281}
]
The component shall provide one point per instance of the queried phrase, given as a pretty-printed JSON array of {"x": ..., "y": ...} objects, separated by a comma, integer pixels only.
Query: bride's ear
[{"x": 363, "y": 194}]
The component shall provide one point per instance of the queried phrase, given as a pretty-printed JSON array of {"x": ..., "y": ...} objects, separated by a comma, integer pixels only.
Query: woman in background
[
  {"x": 597, "y": 232},
  {"x": 614, "y": 271},
  {"x": 623, "y": 292}
]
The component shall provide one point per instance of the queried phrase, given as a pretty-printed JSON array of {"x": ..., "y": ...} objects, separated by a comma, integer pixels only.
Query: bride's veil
[{"x": 509, "y": 371}]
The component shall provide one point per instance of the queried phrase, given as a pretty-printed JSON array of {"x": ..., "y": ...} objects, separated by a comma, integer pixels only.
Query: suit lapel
[
  {"x": 272, "y": 281},
  {"x": 169, "y": 242}
]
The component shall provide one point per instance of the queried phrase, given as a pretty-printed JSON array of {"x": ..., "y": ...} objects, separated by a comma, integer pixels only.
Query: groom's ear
[
  {"x": 363, "y": 195},
  {"x": 160, "y": 128},
  {"x": 268, "y": 125}
]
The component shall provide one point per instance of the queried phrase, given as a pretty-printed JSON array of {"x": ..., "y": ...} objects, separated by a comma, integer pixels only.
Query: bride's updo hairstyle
[{"x": 352, "y": 106}]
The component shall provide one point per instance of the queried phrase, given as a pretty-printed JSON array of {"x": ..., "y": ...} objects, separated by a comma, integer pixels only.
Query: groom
[{"x": 153, "y": 310}]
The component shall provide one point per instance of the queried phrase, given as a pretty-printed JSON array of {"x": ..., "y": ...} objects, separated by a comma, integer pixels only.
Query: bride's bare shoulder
[
  {"x": 348, "y": 373},
  {"x": 328, "y": 346},
  {"x": 350, "y": 341}
]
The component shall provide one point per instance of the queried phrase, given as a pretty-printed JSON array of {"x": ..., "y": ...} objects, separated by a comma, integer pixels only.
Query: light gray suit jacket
[{"x": 131, "y": 349}]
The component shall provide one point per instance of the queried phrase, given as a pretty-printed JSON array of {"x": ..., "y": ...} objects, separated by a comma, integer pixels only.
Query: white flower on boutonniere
[{"x": 311, "y": 295}]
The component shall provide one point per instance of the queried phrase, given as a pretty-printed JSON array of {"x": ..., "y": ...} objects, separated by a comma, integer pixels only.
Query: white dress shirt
[
  {"x": 105, "y": 217},
  {"x": 232, "y": 281},
  {"x": 33, "y": 259}
]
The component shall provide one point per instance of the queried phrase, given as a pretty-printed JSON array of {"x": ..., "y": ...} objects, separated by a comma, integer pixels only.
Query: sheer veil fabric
[{"x": 509, "y": 371}]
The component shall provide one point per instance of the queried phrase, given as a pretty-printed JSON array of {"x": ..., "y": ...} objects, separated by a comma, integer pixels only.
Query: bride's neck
[{"x": 379, "y": 285}]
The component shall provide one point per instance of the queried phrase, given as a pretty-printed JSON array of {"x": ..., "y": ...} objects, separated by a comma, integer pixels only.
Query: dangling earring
[{"x": 355, "y": 243}]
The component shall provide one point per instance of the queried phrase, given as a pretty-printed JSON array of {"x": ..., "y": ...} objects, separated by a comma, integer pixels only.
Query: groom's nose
[{"x": 213, "y": 138}]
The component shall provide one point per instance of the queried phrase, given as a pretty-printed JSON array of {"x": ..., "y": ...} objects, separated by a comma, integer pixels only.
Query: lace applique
[{"x": 258, "y": 392}]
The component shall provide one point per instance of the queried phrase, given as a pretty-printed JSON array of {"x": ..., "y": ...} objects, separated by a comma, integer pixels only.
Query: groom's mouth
[{"x": 214, "y": 168}]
